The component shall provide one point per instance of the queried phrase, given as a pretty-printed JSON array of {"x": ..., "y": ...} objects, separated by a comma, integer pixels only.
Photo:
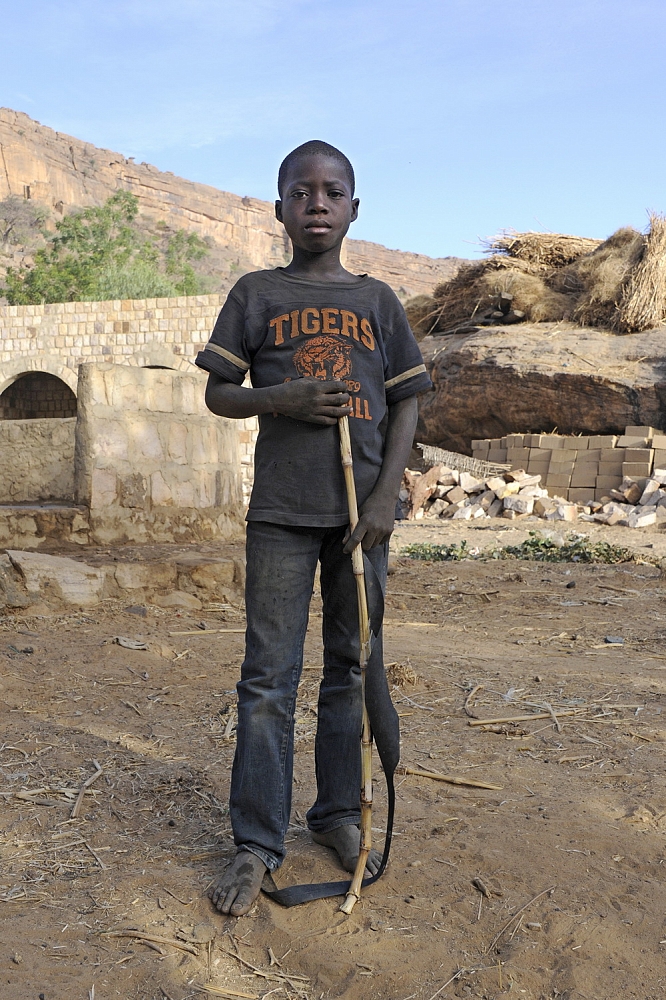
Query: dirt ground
[{"x": 569, "y": 847}]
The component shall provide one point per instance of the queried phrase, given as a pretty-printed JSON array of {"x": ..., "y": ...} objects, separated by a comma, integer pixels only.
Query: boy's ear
[
  {"x": 278, "y": 209},
  {"x": 354, "y": 206}
]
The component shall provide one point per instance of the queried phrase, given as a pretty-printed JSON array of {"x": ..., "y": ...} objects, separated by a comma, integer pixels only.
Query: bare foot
[
  {"x": 345, "y": 841},
  {"x": 239, "y": 886}
]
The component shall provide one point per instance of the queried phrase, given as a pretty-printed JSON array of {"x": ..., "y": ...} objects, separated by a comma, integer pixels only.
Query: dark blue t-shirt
[{"x": 278, "y": 327}]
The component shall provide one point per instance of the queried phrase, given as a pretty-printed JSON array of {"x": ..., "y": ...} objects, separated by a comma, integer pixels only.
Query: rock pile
[{"x": 442, "y": 493}]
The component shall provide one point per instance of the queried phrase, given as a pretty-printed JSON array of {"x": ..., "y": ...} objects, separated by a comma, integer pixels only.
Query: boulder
[
  {"x": 535, "y": 377},
  {"x": 58, "y": 577}
]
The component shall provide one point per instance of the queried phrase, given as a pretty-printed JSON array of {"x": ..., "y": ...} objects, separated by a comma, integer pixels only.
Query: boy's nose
[{"x": 317, "y": 204}]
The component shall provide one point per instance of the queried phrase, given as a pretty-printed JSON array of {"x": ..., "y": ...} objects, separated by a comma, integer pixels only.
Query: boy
[{"x": 319, "y": 343}]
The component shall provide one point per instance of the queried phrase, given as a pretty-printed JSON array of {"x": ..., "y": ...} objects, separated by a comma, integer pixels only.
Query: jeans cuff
[
  {"x": 269, "y": 860},
  {"x": 349, "y": 821}
]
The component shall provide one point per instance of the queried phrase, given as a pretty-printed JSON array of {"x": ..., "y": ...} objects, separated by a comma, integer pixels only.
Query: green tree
[
  {"x": 182, "y": 248},
  {"x": 100, "y": 253}
]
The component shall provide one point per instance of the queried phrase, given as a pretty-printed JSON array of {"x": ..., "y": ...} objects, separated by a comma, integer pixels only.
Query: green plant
[
  {"x": 437, "y": 553},
  {"x": 99, "y": 253},
  {"x": 576, "y": 548}
]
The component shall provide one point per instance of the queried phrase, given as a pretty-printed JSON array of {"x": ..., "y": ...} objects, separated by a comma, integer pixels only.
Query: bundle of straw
[
  {"x": 477, "y": 286},
  {"x": 643, "y": 304},
  {"x": 543, "y": 249}
]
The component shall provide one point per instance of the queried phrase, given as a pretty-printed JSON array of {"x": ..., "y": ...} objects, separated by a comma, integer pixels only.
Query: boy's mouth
[{"x": 317, "y": 227}]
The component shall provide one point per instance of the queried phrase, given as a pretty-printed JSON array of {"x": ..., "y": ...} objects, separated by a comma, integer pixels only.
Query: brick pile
[{"x": 580, "y": 469}]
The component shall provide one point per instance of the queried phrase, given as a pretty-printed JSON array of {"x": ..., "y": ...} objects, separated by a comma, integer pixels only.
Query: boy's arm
[
  {"x": 377, "y": 515},
  {"x": 303, "y": 399}
]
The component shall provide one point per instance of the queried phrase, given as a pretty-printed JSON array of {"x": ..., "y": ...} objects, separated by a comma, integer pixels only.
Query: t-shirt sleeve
[
  {"x": 226, "y": 353},
  {"x": 405, "y": 373}
]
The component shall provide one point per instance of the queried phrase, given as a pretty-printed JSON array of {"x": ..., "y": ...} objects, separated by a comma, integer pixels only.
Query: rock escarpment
[
  {"x": 541, "y": 377},
  {"x": 65, "y": 173}
]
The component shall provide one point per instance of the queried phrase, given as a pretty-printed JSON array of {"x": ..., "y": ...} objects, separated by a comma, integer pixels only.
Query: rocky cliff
[
  {"x": 65, "y": 173},
  {"x": 541, "y": 377}
]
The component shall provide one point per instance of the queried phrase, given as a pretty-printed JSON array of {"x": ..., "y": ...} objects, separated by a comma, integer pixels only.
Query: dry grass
[
  {"x": 545, "y": 249},
  {"x": 421, "y": 315},
  {"x": 619, "y": 284},
  {"x": 643, "y": 303},
  {"x": 401, "y": 674},
  {"x": 476, "y": 288},
  {"x": 597, "y": 281}
]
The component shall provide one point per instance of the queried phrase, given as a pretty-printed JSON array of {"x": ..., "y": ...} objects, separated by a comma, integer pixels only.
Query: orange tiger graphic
[{"x": 325, "y": 358}]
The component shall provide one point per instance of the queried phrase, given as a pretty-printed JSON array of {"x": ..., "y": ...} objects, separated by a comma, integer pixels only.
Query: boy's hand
[
  {"x": 375, "y": 523},
  {"x": 312, "y": 399}
]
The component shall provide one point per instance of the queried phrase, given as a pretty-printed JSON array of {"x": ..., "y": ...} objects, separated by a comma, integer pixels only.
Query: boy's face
[{"x": 316, "y": 207}]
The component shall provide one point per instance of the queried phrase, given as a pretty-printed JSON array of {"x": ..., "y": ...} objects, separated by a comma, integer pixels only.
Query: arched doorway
[{"x": 37, "y": 395}]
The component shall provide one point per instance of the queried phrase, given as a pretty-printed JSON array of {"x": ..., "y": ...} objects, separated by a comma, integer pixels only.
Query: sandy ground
[{"x": 570, "y": 847}]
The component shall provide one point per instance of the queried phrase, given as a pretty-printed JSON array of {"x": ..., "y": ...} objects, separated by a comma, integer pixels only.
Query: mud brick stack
[{"x": 578, "y": 468}]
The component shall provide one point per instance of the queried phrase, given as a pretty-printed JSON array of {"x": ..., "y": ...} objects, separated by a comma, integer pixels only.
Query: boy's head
[
  {"x": 316, "y": 203},
  {"x": 315, "y": 147}
]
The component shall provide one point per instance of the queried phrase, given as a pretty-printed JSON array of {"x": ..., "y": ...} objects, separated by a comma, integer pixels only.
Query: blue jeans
[{"x": 281, "y": 564}]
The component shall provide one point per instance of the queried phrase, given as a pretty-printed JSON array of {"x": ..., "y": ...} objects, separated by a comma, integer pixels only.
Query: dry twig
[
  {"x": 517, "y": 914},
  {"x": 451, "y": 780},
  {"x": 76, "y": 808},
  {"x": 520, "y": 718},
  {"x": 468, "y": 701}
]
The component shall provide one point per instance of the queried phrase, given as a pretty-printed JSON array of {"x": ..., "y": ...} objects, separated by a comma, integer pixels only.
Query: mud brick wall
[
  {"x": 580, "y": 467},
  {"x": 152, "y": 464},
  {"x": 36, "y": 460}
]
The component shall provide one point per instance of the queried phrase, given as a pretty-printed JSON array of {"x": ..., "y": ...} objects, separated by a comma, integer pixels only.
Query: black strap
[{"x": 293, "y": 895}]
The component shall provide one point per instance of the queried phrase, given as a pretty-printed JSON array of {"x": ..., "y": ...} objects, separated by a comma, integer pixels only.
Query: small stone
[
  {"x": 456, "y": 495},
  {"x": 179, "y": 599},
  {"x": 651, "y": 487},
  {"x": 563, "y": 512},
  {"x": 643, "y": 519},
  {"x": 507, "y": 489},
  {"x": 470, "y": 484},
  {"x": 521, "y": 504},
  {"x": 571, "y": 584},
  {"x": 16, "y": 958},
  {"x": 614, "y": 640}
]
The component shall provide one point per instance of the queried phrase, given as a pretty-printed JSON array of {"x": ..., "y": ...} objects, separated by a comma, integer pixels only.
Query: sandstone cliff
[
  {"x": 65, "y": 173},
  {"x": 541, "y": 377}
]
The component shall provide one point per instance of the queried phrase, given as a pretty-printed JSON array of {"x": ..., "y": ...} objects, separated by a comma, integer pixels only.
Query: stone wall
[
  {"x": 57, "y": 337},
  {"x": 36, "y": 460},
  {"x": 152, "y": 464}
]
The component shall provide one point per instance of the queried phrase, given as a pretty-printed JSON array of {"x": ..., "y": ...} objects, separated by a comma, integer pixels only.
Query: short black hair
[{"x": 315, "y": 147}]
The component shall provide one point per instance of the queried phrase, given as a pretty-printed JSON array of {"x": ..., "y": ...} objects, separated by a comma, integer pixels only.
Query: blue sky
[{"x": 462, "y": 117}]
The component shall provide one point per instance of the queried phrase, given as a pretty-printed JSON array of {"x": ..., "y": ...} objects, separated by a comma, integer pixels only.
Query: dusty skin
[{"x": 580, "y": 815}]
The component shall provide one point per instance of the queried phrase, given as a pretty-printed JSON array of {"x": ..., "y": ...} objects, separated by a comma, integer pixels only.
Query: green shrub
[{"x": 99, "y": 253}]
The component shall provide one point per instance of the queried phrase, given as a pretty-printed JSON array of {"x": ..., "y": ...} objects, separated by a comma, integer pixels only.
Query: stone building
[{"x": 104, "y": 434}]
